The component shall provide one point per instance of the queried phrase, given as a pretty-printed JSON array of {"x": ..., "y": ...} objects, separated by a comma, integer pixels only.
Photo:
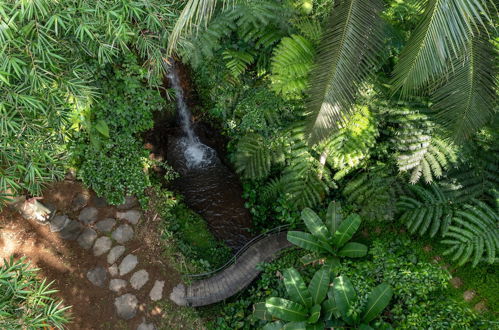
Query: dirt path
[{"x": 67, "y": 263}]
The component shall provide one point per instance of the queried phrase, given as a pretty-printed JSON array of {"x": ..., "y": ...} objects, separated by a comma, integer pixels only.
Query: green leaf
[
  {"x": 261, "y": 312},
  {"x": 319, "y": 285},
  {"x": 278, "y": 325},
  {"x": 286, "y": 310},
  {"x": 377, "y": 301},
  {"x": 296, "y": 288},
  {"x": 329, "y": 308},
  {"x": 315, "y": 313},
  {"x": 346, "y": 230},
  {"x": 344, "y": 296},
  {"x": 353, "y": 250},
  {"x": 295, "y": 326},
  {"x": 333, "y": 217},
  {"x": 315, "y": 224},
  {"x": 305, "y": 241},
  {"x": 102, "y": 128}
]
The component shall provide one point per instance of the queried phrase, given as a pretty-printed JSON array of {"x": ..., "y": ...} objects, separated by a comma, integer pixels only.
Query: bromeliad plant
[
  {"x": 329, "y": 240},
  {"x": 319, "y": 306}
]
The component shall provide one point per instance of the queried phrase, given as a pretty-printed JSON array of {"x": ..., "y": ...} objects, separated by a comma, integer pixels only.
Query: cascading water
[
  {"x": 208, "y": 186},
  {"x": 196, "y": 154}
]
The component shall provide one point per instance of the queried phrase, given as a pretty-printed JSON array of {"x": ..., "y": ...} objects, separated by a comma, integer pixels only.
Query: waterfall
[{"x": 196, "y": 154}]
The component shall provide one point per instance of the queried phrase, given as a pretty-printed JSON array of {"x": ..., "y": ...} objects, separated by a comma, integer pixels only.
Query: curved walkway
[{"x": 234, "y": 278}]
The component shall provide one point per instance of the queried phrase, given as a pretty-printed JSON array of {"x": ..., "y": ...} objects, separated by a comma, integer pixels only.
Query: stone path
[
  {"x": 106, "y": 239},
  {"x": 234, "y": 278}
]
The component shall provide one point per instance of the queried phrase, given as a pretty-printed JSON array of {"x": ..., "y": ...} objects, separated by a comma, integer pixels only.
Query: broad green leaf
[
  {"x": 261, "y": 312},
  {"x": 319, "y": 285},
  {"x": 278, "y": 325},
  {"x": 347, "y": 228},
  {"x": 332, "y": 264},
  {"x": 102, "y": 128},
  {"x": 353, "y": 250},
  {"x": 333, "y": 217},
  {"x": 316, "y": 326},
  {"x": 286, "y": 310},
  {"x": 315, "y": 313},
  {"x": 315, "y": 224},
  {"x": 295, "y": 326},
  {"x": 329, "y": 308},
  {"x": 309, "y": 258},
  {"x": 344, "y": 296},
  {"x": 365, "y": 327},
  {"x": 378, "y": 299},
  {"x": 296, "y": 287},
  {"x": 305, "y": 241}
]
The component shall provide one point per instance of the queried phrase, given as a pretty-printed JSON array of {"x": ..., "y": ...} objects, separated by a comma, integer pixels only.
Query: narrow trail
[{"x": 233, "y": 279}]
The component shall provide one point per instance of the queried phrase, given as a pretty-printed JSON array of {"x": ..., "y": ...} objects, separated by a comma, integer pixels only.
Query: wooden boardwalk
[{"x": 234, "y": 278}]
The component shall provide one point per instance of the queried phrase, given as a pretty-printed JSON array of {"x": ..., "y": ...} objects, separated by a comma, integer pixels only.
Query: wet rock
[
  {"x": 71, "y": 231},
  {"x": 87, "y": 238},
  {"x": 115, "y": 253},
  {"x": 80, "y": 201},
  {"x": 126, "y": 306},
  {"x": 113, "y": 270},
  {"x": 102, "y": 245},
  {"x": 157, "y": 291},
  {"x": 139, "y": 279},
  {"x": 128, "y": 264},
  {"x": 132, "y": 216},
  {"x": 116, "y": 285},
  {"x": 122, "y": 234},
  {"x": 456, "y": 282},
  {"x": 130, "y": 201},
  {"x": 146, "y": 326},
  {"x": 106, "y": 225},
  {"x": 99, "y": 201},
  {"x": 88, "y": 215},
  {"x": 58, "y": 223},
  {"x": 97, "y": 276},
  {"x": 469, "y": 295}
]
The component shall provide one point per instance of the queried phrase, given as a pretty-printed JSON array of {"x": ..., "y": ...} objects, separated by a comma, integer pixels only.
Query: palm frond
[
  {"x": 467, "y": 100},
  {"x": 444, "y": 30},
  {"x": 347, "y": 54}
]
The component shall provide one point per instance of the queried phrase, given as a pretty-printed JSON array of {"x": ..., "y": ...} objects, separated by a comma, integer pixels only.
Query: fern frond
[
  {"x": 347, "y": 54},
  {"x": 426, "y": 211},
  {"x": 291, "y": 64},
  {"x": 473, "y": 235},
  {"x": 253, "y": 158},
  {"x": 237, "y": 61}
]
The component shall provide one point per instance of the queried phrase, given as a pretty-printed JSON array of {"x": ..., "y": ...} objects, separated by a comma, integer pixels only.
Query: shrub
[{"x": 25, "y": 301}]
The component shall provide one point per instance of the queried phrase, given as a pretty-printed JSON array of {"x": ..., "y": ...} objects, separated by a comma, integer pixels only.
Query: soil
[{"x": 66, "y": 263}]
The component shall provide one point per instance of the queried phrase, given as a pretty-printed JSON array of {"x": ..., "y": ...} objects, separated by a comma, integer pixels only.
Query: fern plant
[
  {"x": 253, "y": 157},
  {"x": 473, "y": 235},
  {"x": 428, "y": 211}
]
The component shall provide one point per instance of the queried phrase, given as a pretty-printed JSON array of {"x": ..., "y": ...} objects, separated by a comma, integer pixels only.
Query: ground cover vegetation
[{"x": 385, "y": 107}]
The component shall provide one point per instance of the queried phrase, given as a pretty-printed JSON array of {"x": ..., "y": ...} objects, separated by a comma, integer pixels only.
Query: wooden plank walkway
[{"x": 234, "y": 278}]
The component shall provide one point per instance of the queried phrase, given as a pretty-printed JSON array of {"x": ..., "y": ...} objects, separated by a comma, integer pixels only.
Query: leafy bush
[{"x": 25, "y": 301}]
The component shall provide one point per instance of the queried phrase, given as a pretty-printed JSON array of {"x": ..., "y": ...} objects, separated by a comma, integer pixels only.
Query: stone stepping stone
[
  {"x": 126, "y": 306},
  {"x": 116, "y": 285},
  {"x": 87, "y": 238},
  {"x": 102, "y": 245},
  {"x": 88, "y": 215},
  {"x": 122, "y": 234},
  {"x": 80, "y": 201},
  {"x": 97, "y": 276},
  {"x": 139, "y": 279},
  {"x": 456, "y": 282},
  {"x": 146, "y": 326},
  {"x": 469, "y": 295},
  {"x": 99, "y": 201},
  {"x": 71, "y": 230},
  {"x": 480, "y": 307},
  {"x": 157, "y": 291},
  {"x": 113, "y": 270},
  {"x": 132, "y": 216},
  {"x": 128, "y": 264},
  {"x": 130, "y": 201},
  {"x": 58, "y": 223},
  {"x": 115, "y": 253},
  {"x": 106, "y": 225}
]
